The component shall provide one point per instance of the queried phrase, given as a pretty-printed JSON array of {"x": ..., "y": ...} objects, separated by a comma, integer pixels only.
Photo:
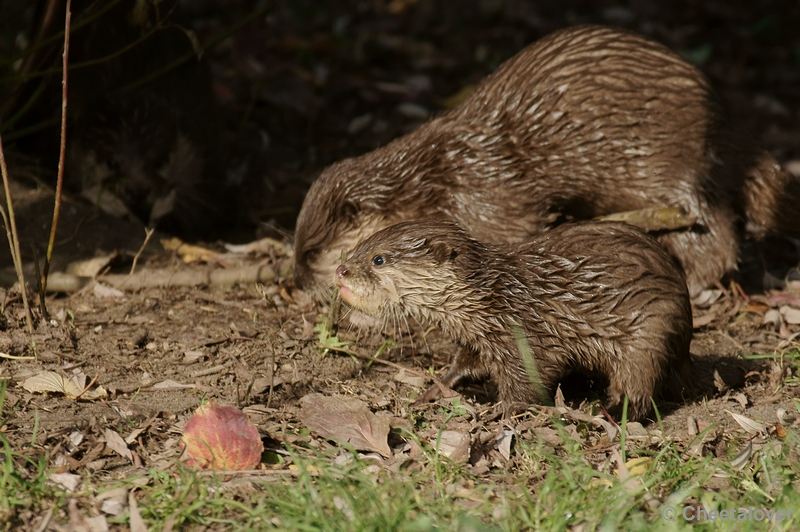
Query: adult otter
[
  {"x": 598, "y": 298},
  {"x": 587, "y": 121}
]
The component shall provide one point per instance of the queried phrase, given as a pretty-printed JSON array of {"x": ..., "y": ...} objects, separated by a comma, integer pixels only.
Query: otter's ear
[
  {"x": 442, "y": 251},
  {"x": 349, "y": 211}
]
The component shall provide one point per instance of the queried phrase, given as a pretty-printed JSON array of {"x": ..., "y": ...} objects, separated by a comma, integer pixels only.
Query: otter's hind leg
[
  {"x": 635, "y": 381},
  {"x": 708, "y": 252}
]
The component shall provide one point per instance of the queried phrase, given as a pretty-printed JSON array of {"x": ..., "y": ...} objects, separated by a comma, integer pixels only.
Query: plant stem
[
  {"x": 13, "y": 239},
  {"x": 60, "y": 180}
]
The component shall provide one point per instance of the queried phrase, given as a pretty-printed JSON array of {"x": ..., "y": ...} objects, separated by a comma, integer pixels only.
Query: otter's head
[
  {"x": 335, "y": 216},
  {"x": 408, "y": 268},
  {"x": 356, "y": 197}
]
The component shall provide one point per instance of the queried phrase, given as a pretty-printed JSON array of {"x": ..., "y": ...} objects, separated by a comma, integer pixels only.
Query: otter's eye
[{"x": 378, "y": 260}]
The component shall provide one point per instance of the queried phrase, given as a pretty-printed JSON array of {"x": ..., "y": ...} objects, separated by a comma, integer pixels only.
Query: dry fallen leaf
[
  {"x": 504, "y": 440},
  {"x": 630, "y": 480},
  {"x": 638, "y": 466},
  {"x": 106, "y": 201},
  {"x": 112, "y": 507},
  {"x": 702, "y": 321},
  {"x": 50, "y": 381},
  {"x": 549, "y": 436},
  {"x": 75, "y": 438},
  {"x": 113, "y": 501},
  {"x": 743, "y": 457},
  {"x": 772, "y": 316},
  {"x": 133, "y": 435},
  {"x": 741, "y": 399},
  {"x": 412, "y": 380},
  {"x": 189, "y": 253},
  {"x": 103, "y": 291},
  {"x": 346, "y": 419},
  {"x": 115, "y": 442},
  {"x": 137, "y": 523},
  {"x": 222, "y": 438},
  {"x": 783, "y": 298},
  {"x": 263, "y": 246},
  {"x": 453, "y": 444},
  {"x": 707, "y": 297},
  {"x": 90, "y": 267},
  {"x": 98, "y": 523},
  {"x": 751, "y": 426},
  {"x": 756, "y": 306},
  {"x": 790, "y": 314},
  {"x": 190, "y": 357},
  {"x": 69, "y": 481},
  {"x": 169, "y": 384},
  {"x": 784, "y": 332},
  {"x": 611, "y": 430}
]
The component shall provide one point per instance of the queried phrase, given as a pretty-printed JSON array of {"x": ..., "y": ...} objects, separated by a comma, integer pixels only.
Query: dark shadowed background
[{"x": 210, "y": 119}]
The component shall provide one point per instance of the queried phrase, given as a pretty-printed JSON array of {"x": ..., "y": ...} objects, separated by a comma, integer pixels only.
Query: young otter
[
  {"x": 586, "y": 122},
  {"x": 599, "y": 298}
]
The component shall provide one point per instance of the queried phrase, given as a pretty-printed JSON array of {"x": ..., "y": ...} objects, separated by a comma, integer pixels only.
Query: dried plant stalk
[
  {"x": 13, "y": 238},
  {"x": 60, "y": 179}
]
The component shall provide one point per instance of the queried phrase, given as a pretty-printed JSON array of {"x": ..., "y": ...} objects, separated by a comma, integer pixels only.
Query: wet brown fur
[
  {"x": 587, "y": 121},
  {"x": 598, "y": 298}
]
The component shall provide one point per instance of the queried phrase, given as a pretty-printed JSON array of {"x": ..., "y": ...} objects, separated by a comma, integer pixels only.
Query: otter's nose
[{"x": 342, "y": 271}]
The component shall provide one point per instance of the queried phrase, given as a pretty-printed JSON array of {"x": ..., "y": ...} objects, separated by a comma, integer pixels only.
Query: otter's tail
[{"x": 772, "y": 197}]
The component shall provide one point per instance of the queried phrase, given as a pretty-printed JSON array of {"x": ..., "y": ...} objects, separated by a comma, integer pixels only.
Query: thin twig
[
  {"x": 60, "y": 180},
  {"x": 148, "y": 232},
  {"x": 12, "y": 357},
  {"x": 13, "y": 239},
  {"x": 271, "y": 372},
  {"x": 384, "y": 362},
  {"x": 94, "y": 380},
  {"x": 39, "y": 287}
]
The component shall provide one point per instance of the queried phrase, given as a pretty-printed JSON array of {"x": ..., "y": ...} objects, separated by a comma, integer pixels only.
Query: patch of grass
[
  {"x": 326, "y": 340},
  {"x": 23, "y": 487},
  {"x": 792, "y": 356},
  {"x": 549, "y": 484},
  {"x": 571, "y": 492},
  {"x": 556, "y": 489},
  {"x": 23, "y": 476},
  {"x": 322, "y": 496},
  {"x": 552, "y": 489}
]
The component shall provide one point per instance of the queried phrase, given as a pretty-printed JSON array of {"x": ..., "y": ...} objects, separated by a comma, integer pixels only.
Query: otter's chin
[
  {"x": 364, "y": 321},
  {"x": 364, "y": 311},
  {"x": 347, "y": 295}
]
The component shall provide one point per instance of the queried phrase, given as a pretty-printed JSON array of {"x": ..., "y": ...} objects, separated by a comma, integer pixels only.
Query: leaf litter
[{"x": 250, "y": 344}]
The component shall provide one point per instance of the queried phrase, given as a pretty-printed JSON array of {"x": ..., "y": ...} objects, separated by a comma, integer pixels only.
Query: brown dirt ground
[{"x": 160, "y": 351}]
